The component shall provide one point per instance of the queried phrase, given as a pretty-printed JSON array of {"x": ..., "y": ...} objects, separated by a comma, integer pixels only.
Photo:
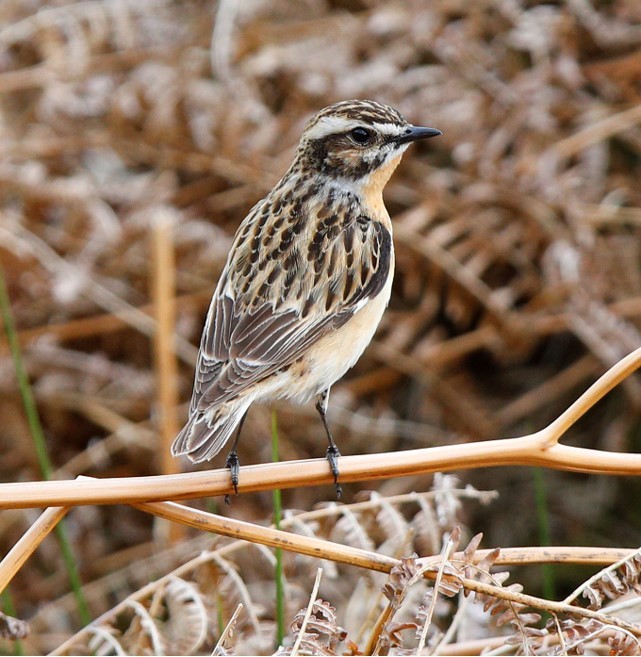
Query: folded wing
[{"x": 279, "y": 295}]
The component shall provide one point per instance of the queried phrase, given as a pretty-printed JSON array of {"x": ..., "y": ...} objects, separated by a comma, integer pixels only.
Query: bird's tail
[{"x": 206, "y": 433}]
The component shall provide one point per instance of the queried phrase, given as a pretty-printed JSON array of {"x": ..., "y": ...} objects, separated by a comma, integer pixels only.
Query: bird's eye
[{"x": 360, "y": 135}]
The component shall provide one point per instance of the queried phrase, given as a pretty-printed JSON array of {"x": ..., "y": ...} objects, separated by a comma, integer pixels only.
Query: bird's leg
[
  {"x": 232, "y": 461},
  {"x": 332, "y": 449}
]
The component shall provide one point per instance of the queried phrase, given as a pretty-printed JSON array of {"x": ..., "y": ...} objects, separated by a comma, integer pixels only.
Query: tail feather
[{"x": 205, "y": 434}]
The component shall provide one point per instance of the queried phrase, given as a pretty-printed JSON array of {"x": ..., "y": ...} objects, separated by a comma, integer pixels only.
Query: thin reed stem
[
  {"x": 163, "y": 276},
  {"x": 545, "y": 536},
  {"x": 37, "y": 435}
]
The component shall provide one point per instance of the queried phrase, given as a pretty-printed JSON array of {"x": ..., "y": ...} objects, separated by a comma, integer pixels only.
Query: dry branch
[
  {"x": 528, "y": 450},
  {"x": 540, "y": 448},
  {"x": 323, "y": 549},
  {"x": 28, "y": 543}
]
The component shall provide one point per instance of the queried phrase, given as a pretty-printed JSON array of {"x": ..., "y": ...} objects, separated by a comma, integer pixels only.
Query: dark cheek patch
[{"x": 336, "y": 157}]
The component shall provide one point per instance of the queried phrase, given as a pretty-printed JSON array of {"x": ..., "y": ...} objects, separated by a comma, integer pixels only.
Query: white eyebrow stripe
[
  {"x": 390, "y": 129},
  {"x": 329, "y": 125}
]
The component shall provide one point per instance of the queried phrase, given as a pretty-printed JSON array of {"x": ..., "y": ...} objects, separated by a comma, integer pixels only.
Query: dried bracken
[
  {"x": 12, "y": 628},
  {"x": 192, "y": 603},
  {"x": 320, "y": 634},
  {"x": 575, "y": 638},
  {"x": 569, "y": 632},
  {"x": 612, "y": 583},
  {"x": 517, "y": 282}
]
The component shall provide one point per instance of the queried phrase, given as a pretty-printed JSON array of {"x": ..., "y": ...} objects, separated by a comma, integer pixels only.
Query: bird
[{"x": 306, "y": 281}]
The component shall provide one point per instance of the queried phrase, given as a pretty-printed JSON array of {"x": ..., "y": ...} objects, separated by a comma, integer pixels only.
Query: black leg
[
  {"x": 332, "y": 450},
  {"x": 232, "y": 460}
]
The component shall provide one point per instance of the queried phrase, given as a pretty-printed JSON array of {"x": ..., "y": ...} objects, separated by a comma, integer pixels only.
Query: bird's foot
[
  {"x": 332, "y": 456},
  {"x": 234, "y": 468}
]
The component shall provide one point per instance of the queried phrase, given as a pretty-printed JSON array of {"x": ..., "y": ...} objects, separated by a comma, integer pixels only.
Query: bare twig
[
  {"x": 445, "y": 556},
  {"x": 308, "y": 612},
  {"x": 540, "y": 448},
  {"x": 228, "y": 631},
  {"x": 164, "y": 277},
  {"x": 28, "y": 543}
]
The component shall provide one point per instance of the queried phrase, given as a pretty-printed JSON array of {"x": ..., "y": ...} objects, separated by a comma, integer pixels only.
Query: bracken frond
[
  {"x": 13, "y": 628},
  {"x": 188, "y": 622},
  {"x": 322, "y": 634},
  {"x": 611, "y": 584}
]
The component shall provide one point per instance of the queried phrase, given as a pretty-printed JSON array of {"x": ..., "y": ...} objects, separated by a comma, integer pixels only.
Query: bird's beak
[{"x": 415, "y": 132}]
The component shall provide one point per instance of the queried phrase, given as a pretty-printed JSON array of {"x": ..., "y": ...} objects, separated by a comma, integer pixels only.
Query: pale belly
[{"x": 334, "y": 354}]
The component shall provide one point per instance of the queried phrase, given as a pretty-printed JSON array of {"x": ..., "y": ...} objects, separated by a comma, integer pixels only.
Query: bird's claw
[
  {"x": 332, "y": 456},
  {"x": 234, "y": 468}
]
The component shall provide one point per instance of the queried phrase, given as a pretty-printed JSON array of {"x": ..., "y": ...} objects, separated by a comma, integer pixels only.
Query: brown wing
[{"x": 287, "y": 282}]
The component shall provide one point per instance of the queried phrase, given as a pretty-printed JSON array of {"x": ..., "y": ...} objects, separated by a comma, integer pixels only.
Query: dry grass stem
[
  {"x": 165, "y": 365},
  {"x": 540, "y": 448},
  {"x": 28, "y": 543},
  {"x": 308, "y": 612},
  {"x": 445, "y": 556},
  {"x": 240, "y": 529},
  {"x": 166, "y": 368},
  {"x": 533, "y": 449},
  {"x": 228, "y": 631}
]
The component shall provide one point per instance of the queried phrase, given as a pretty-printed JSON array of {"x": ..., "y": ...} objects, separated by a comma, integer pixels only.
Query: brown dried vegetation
[{"x": 126, "y": 124}]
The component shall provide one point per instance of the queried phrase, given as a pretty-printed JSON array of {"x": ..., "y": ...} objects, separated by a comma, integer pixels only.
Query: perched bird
[{"x": 306, "y": 282}]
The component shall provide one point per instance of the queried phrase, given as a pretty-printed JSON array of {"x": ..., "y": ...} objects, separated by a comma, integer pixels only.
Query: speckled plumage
[{"x": 307, "y": 278}]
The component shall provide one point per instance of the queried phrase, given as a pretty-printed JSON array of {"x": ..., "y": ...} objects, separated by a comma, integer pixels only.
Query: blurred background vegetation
[{"x": 518, "y": 275}]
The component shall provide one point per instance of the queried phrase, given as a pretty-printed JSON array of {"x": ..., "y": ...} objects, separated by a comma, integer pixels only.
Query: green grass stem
[
  {"x": 545, "y": 534},
  {"x": 10, "y": 610},
  {"x": 37, "y": 435}
]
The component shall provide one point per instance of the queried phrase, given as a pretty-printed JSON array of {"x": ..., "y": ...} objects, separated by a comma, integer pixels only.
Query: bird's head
[{"x": 357, "y": 141}]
